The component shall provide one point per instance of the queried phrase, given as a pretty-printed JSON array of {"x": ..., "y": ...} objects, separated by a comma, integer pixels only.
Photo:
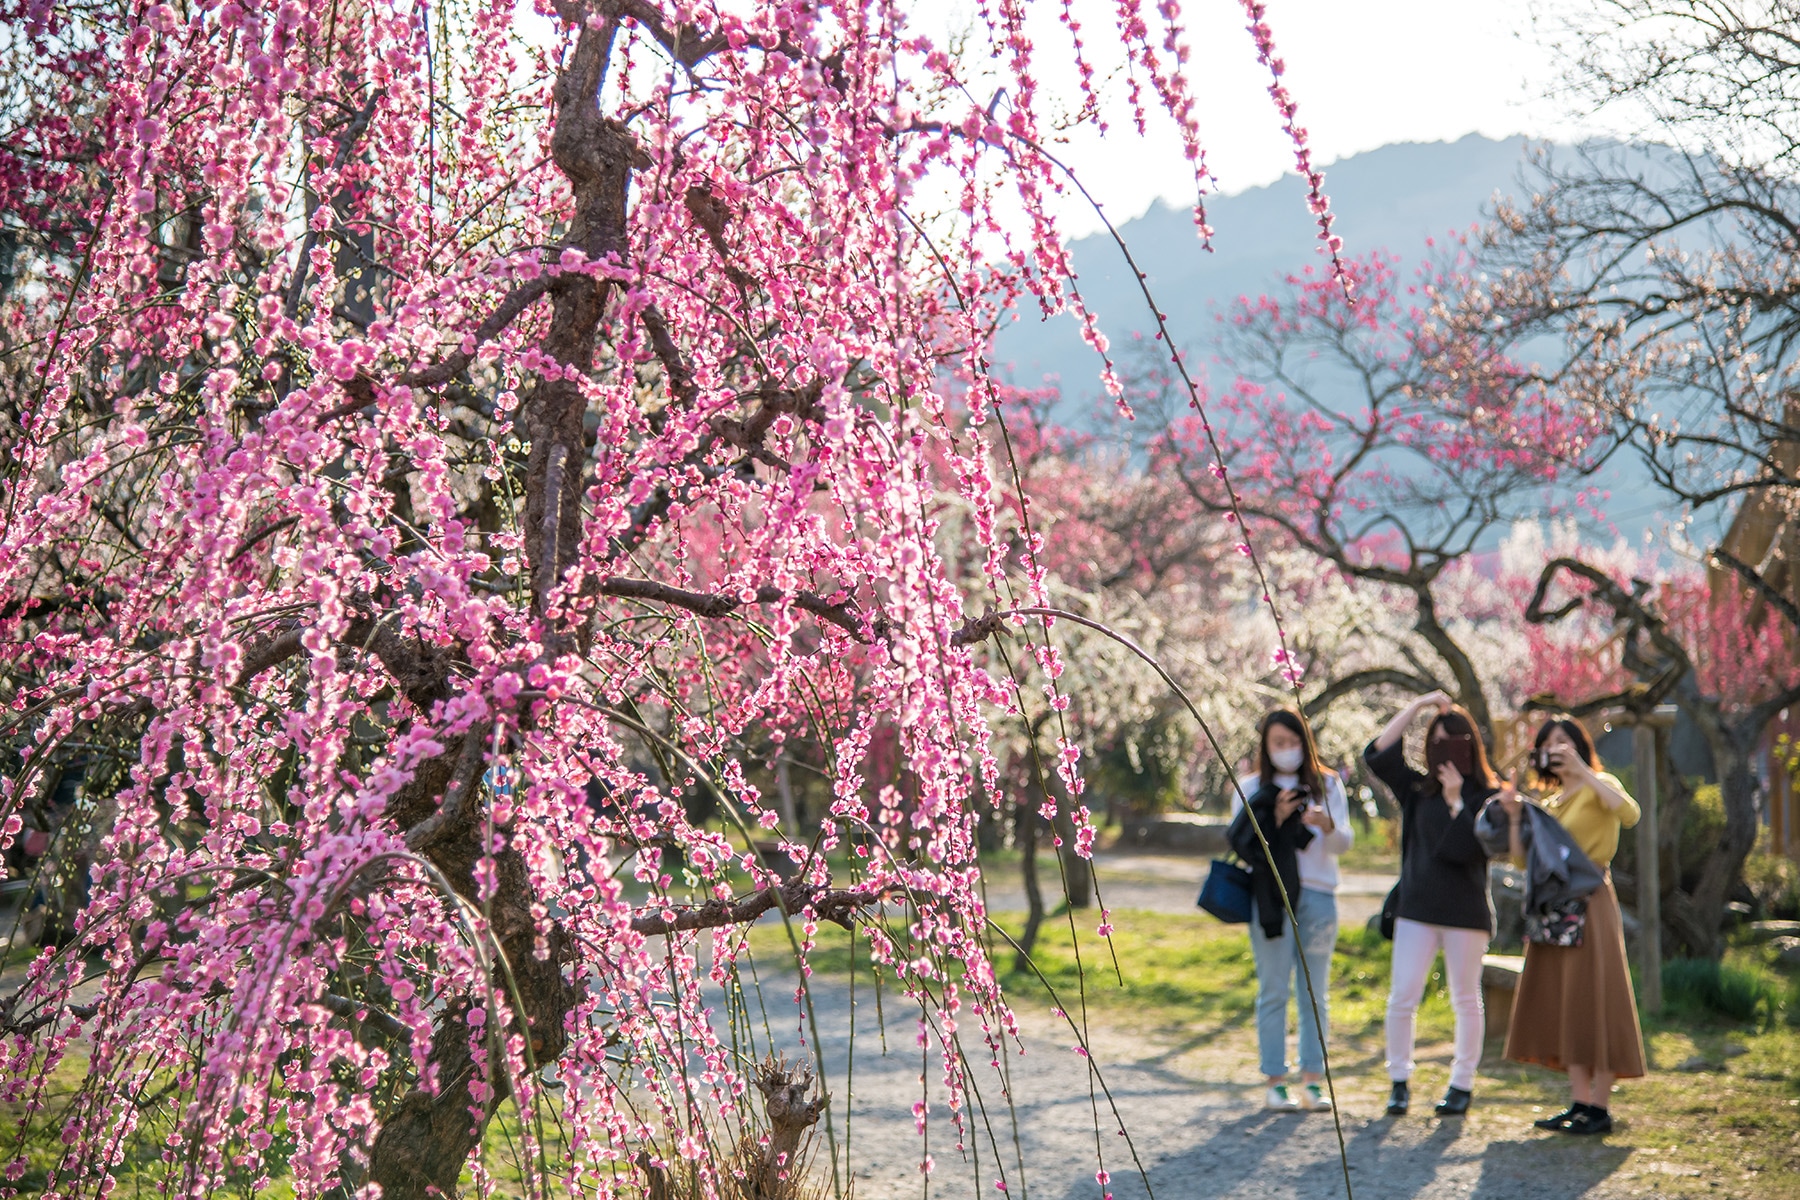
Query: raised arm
[{"x": 1396, "y": 728}]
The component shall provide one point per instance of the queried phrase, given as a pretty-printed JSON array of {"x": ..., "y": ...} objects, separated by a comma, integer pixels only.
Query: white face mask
[{"x": 1286, "y": 761}]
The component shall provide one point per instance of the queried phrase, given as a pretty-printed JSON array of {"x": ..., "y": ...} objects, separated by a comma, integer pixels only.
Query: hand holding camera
[{"x": 1558, "y": 764}]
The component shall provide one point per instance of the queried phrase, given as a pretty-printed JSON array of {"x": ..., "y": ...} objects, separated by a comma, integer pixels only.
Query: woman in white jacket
[{"x": 1288, "y": 763}]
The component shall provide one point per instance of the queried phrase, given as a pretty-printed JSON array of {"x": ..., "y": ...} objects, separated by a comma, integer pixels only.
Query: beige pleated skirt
[{"x": 1574, "y": 1004}]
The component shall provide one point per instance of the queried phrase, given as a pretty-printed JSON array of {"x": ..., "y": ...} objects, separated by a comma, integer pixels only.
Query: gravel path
[
  {"x": 1193, "y": 1108},
  {"x": 1195, "y": 1119}
]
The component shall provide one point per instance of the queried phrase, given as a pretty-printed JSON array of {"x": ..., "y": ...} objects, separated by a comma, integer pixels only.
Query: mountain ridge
[{"x": 1391, "y": 198}]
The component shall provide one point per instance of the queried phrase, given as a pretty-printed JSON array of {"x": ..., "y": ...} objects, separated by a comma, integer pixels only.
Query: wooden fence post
[{"x": 1645, "y": 737}]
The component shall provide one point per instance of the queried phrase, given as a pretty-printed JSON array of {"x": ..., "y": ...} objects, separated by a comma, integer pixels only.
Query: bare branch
[
  {"x": 843, "y": 614},
  {"x": 837, "y": 905}
]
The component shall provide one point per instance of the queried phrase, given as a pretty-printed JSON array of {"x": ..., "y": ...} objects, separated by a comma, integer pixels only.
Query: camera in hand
[{"x": 1543, "y": 762}]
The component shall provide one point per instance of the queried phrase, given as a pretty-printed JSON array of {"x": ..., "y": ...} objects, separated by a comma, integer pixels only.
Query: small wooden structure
[{"x": 1499, "y": 983}]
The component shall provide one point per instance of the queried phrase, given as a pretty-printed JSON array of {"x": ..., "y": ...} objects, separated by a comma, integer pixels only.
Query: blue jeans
[{"x": 1277, "y": 975}]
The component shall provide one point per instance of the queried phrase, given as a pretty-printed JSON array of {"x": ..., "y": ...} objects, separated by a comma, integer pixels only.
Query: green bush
[
  {"x": 1774, "y": 881},
  {"x": 1702, "y": 825},
  {"x": 1140, "y": 773},
  {"x": 1743, "y": 994}
]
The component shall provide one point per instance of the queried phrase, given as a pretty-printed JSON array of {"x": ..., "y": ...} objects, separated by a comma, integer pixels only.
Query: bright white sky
[{"x": 1365, "y": 73}]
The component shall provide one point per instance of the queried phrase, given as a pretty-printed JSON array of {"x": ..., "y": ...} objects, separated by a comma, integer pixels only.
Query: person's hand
[
  {"x": 1568, "y": 765},
  {"x": 1287, "y": 802},
  {"x": 1316, "y": 816},
  {"x": 1451, "y": 780},
  {"x": 1439, "y": 700},
  {"x": 1510, "y": 803}
]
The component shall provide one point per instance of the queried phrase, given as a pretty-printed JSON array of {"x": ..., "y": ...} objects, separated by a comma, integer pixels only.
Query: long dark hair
[
  {"x": 1312, "y": 775},
  {"x": 1584, "y": 746},
  {"x": 1457, "y": 722}
]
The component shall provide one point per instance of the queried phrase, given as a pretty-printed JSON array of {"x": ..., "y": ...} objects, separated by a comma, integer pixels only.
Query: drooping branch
[
  {"x": 843, "y": 614},
  {"x": 837, "y": 905}
]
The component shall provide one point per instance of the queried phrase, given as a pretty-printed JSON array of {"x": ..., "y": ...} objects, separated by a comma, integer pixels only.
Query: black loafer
[
  {"x": 1560, "y": 1122},
  {"x": 1455, "y": 1102},
  {"x": 1398, "y": 1099},
  {"x": 1590, "y": 1121}
]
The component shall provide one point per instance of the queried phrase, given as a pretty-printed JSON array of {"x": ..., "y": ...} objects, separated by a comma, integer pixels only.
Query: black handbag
[
  {"x": 1390, "y": 907},
  {"x": 1226, "y": 892}
]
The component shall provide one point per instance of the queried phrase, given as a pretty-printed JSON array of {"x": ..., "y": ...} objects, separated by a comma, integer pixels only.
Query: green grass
[
  {"x": 1376, "y": 849},
  {"x": 1734, "y": 989}
]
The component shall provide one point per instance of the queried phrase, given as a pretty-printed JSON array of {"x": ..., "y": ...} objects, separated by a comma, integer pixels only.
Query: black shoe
[
  {"x": 1560, "y": 1122},
  {"x": 1455, "y": 1102},
  {"x": 1590, "y": 1120},
  {"x": 1398, "y": 1099}
]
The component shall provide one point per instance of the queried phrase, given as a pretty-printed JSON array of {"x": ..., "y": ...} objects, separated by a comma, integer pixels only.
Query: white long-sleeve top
[{"x": 1318, "y": 862}]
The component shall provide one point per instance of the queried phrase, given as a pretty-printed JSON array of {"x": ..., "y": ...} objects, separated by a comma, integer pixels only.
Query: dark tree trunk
[
  {"x": 1696, "y": 917},
  {"x": 424, "y": 1143},
  {"x": 1025, "y": 824},
  {"x": 1469, "y": 692}
]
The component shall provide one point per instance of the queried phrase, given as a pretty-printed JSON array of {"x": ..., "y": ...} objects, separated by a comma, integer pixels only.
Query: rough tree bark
[{"x": 424, "y": 1143}]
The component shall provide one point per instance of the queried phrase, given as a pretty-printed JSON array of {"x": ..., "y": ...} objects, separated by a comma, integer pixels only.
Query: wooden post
[{"x": 1649, "y": 856}]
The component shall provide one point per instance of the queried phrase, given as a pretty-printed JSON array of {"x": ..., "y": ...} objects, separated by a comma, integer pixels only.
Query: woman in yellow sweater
[{"x": 1574, "y": 1010}]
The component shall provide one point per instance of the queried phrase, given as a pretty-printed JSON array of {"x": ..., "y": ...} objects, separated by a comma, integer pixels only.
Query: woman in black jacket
[{"x": 1444, "y": 902}]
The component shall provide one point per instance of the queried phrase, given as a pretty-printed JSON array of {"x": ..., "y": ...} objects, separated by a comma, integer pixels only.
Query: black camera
[{"x": 1543, "y": 762}]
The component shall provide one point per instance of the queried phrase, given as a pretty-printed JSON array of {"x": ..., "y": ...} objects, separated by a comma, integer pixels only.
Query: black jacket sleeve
[{"x": 1390, "y": 766}]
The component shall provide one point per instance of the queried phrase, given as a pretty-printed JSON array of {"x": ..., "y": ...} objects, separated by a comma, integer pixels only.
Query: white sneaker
[
  {"x": 1278, "y": 1099},
  {"x": 1313, "y": 1098}
]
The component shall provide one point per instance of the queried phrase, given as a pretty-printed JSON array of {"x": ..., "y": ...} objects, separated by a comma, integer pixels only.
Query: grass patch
[
  {"x": 1736, "y": 990},
  {"x": 1376, "y": 850}
]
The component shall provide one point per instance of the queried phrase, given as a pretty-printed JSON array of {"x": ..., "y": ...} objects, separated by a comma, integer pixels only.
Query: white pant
[{"x": 1415, "y": 946}]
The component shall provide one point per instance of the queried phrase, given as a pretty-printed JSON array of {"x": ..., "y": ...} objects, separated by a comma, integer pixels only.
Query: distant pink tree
[{"x": 1390, "y": 439}]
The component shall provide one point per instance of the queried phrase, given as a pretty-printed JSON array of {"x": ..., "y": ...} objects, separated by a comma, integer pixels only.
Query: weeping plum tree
[{"x": 430, "y": 456}]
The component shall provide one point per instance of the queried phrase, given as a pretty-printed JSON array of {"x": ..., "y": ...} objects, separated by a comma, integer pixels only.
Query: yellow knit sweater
[{"x": 1594, "y": 826}]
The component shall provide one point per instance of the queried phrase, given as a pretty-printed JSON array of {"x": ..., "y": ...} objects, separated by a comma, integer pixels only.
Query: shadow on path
[{"x": 1546, "y": 1167}]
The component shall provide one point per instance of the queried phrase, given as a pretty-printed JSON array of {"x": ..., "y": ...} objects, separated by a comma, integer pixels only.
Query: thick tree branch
[
  {"x": 837, "y": 905},
  {"x": 457, "y": 798},
  {"x": 1356, "y": 681},
  {"x": 1751, "y": 576},
  {"x": 362, "y": 1014},
  {"x": 843, "y": 614}
]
